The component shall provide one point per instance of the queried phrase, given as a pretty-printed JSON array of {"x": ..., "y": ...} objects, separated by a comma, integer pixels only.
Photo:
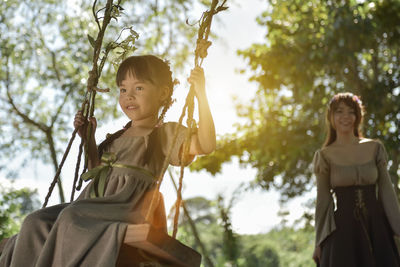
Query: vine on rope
[{"x": 103, "y": 17}]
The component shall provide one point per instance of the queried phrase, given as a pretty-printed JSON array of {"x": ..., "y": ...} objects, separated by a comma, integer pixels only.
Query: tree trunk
[{"x": 53, "y": 154}]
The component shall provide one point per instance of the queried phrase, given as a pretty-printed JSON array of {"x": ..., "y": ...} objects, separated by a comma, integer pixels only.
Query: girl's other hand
[
  {"x": 317, "y": 254},
  {"x": 81, "y": 124},
  {"x": 197, "y": 80}
]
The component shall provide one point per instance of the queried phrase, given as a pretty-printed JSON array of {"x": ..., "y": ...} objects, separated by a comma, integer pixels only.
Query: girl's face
[
  {"x": 343, "y": 119},
  {"x": 140, "y": 100}
]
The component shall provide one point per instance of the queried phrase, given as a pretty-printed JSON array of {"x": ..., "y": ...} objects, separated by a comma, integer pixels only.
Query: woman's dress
[
  {"x": 358, "y": 229},
  {"x": 90, "y": 231}
]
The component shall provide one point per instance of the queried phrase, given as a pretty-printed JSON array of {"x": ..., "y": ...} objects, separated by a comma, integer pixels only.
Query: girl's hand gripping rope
[
  {"x": 204, "y": 142},
  {"x": 197, "y": 80},
  {"x": 82, "y": 125}
]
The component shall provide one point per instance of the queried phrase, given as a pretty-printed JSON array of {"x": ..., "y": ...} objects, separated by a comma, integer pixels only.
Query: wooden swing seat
[
  {"x": 145, "y": 246},
  {"x": 158, "y": 244}
]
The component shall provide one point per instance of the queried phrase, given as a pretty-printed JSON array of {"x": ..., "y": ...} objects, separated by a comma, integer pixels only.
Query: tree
[
  {"x": 259, "y": 255},
  {"x": 286, "y": 245},
  {"x": 45, "y": 57},
  {"x": 206, "y": 225},
  {"x": 198, "y": 229},
  {"x": 282, "y": 246},
  {"x": 314, "y": 49},
  {"x": 230, "y": 246},
  {"x": 195, "y": 210},
  {"x": 14, "y": 205}
]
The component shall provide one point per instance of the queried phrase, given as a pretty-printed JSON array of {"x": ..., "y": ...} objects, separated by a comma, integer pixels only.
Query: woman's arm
[
  {"x": 317, "y": 254},
  {"x": 324, "y": 220},
  {"x": 386, "y": 192}
]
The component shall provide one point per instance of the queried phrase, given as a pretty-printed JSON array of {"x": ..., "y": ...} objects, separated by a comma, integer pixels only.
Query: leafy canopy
[{"x": 312, "y": 50}]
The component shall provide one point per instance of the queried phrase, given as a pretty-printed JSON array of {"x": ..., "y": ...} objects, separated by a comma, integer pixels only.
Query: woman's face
[{"x": 343, "y": 119}]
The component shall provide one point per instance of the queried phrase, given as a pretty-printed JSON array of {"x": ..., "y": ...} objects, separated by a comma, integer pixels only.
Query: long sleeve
[
  {"x": 386, "y": 193},
  {"x": 324, "y": 220}
]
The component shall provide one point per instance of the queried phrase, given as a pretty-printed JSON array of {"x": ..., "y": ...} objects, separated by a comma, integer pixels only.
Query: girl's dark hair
[
  {"x": 153, "y": 148},
  {"x": 147, "y": 68},
  {"x": 351, "y": 101},
  {"x": 152, "y": 69},
  {"x": 110, "y": 138}
]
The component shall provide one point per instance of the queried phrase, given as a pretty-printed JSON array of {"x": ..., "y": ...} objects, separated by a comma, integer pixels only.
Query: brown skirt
[{"x": 363, "y": 236}]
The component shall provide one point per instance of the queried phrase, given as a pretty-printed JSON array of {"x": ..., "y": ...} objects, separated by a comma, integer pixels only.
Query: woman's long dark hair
[{"x": 351, "y": 101}]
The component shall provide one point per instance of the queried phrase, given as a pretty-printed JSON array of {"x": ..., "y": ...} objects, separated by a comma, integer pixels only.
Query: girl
[
  {"x": 90, "y": 230},
  {"x": 360, "y": 231}
]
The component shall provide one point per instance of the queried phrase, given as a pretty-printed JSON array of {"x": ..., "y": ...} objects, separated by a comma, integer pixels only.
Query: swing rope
[
  {"x": 87, "y": 111},
  {"x": 87, "y": 108},
  {"x": 202, "y": 45}
]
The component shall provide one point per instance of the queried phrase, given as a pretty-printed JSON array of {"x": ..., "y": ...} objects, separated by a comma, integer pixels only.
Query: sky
[{"x": 255, "y": 211}]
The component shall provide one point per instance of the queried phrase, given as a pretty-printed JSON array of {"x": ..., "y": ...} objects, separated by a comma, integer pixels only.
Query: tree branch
[
  {"x": 55, "y": 116},
  {"x": 10, "y": 100},
  {"x": 95, "y": 14},
  {"x": 58, "y": 77}
]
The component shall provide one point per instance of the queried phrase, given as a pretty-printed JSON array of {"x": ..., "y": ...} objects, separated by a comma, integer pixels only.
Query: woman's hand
[
  {"x": 81, "y": 124},
  {"x": 317, "y": 254},
  {"x": 197, "y": 80}
]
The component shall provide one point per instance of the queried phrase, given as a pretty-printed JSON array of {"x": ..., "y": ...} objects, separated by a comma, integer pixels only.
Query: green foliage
[
  {"x": 257, "y": 255},
  {"x": 14, "y": 205},
  {"x": 230, "y": 247},
  {"x": 287, "y": 247},
  {"x": 314, "y": 49},
  {"x": 204, "y": 216}
]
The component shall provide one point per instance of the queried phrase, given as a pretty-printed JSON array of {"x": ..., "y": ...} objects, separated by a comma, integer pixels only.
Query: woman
[{"x": 354, "y": 169}]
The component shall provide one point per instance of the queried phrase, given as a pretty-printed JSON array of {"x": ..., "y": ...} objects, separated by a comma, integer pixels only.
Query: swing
[{"x": 143, "y": 242}]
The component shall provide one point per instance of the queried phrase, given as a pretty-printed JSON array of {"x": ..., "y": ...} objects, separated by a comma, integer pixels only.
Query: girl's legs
[
  {"x": 6, "y": 255},
  {"x": 86, "y": 233},
  {"x": 32, "y": 236}
]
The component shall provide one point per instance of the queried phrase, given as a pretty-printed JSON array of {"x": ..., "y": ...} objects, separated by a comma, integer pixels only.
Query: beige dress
[
  {"x": 89, "y": 231},
  {"x": 371, "y": 170}
]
